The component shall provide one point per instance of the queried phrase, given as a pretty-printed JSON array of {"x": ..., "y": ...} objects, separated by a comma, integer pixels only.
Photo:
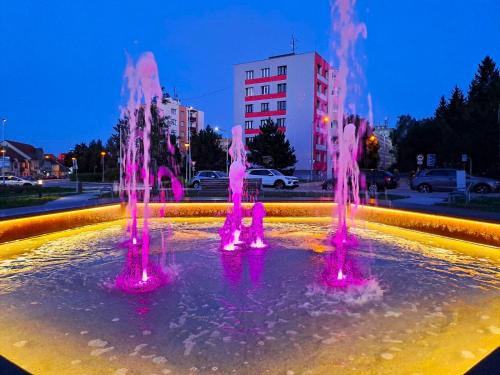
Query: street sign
[
  {"x": 420, "y": 159},
  {"x": 431, "y": 160},
  {"x": 464, "y": 158}
]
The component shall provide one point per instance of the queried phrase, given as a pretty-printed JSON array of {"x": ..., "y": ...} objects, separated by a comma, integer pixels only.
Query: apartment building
[
  {"x": 294, "y": 91},
  {"x": 181, "y": 118}
]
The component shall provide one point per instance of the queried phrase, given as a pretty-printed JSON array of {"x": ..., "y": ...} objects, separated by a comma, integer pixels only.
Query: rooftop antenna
[{"x": 293, "y": 44}]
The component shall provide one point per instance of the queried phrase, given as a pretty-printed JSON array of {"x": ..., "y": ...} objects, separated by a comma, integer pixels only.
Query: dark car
[
  {"x": 378, "y": 180},
  {"x": 372, "y": 180},
  {"x": 444, "y": 179},
  {"x": 204, "y": 175}
]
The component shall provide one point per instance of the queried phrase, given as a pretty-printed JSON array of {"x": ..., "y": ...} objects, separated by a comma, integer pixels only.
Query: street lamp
[
  {"x": 324, "y": 120},
  {"x": 103, "y": 154},
  {"x": 75, "y": 168},
  {"x": 4, "y": 150},
  {"x": 186, "y": 145}
]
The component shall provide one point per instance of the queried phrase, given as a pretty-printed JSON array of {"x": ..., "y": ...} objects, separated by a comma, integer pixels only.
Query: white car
[
  {"x": 272, "y": 177},
  {"x": 17, "y": 181}
]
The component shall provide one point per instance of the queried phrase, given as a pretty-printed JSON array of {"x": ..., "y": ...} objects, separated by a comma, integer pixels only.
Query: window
[
  {"x": 248, "y": 124},
  {"x": 281, "y": 105},
  {"x": 261, "y": 172},
  {"x": 280, "y": 122},
  {"x": 442, "y": 173},
  {"x": 282, "y": 70},
  {"x": 266, "y": 72},
  {"x": 249, "y": 91},
  {"x": 264, "y": 122},
  {"x": 319, "y": 69},
  {"x": 318, "y": 88},
  {"x": 173, "y": 111},
  {"x": 264, "y": 107},
  {"x": 249, "y": 74},
  {"x": 264, "y": 90},
  {"x": 249, "y": 108},
  {"x": 281, "y": 87}
]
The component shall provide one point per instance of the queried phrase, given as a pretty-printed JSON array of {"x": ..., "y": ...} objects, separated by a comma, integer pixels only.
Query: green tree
[
  {"x": 271, "y": 149},
  {"x": 484, "y": 108},
  {"x": 206, "y": 150}
]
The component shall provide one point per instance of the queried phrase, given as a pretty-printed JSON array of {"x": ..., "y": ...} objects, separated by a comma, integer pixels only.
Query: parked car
[
  {"x": 273, "y": 177},
  {"x": 18, "y": 181},
  {"x": 374, "y": 180},
  {"x": 442, "y": 179},
  {"x": 378, "y": 180},
  {"x": 204, "y": 175}
]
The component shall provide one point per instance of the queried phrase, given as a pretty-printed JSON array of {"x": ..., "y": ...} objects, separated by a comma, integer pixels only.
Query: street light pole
[
  {"x": 103, "y": 154},
  {"x": 4, "y": 150},
  {"x": 120, "y": 161}
]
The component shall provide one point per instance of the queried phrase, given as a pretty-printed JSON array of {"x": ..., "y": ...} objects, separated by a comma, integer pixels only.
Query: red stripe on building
[
  {"x": 265, "y": 114},
  {"x": 266, "y": 96},
  {"x": 252, "y": 131},
  {"x": 265, "y": 79}
]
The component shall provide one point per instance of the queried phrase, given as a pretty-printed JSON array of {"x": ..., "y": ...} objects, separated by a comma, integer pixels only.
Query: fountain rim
[{"x": 480, "y": 232}]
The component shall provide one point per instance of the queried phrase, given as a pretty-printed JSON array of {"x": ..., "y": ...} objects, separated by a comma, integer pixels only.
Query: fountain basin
[{"x": 425, "y": 302}]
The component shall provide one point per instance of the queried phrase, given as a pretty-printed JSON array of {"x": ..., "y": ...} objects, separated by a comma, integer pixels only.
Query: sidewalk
[{"x": 63, "y": 203}]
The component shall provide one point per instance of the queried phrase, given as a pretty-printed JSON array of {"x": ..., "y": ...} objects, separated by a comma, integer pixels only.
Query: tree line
[{"x": 461, "y": 124}]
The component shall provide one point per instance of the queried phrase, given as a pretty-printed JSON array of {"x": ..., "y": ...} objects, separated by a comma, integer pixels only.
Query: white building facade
[{"x": 294, "y": 91}]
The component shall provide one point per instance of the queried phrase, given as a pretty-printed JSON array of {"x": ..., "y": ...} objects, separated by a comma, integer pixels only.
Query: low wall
[{"x": 468, "y": 230}]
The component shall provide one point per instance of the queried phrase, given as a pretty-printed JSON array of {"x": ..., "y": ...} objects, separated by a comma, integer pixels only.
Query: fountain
[
  {"x": 345, "y": 152},
  {"x": 233, "y": 232},
  {"x": 139, "y": 273}
]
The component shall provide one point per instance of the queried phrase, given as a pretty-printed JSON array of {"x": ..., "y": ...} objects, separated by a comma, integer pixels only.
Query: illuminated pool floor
[{"x": 422, "y": 308}]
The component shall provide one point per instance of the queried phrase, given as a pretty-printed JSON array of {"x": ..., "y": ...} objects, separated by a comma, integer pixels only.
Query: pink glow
[
  {"x": 143, "y": 85},
  {"x": 233, "y": 232},
  {"x": 346, "y": 151}
]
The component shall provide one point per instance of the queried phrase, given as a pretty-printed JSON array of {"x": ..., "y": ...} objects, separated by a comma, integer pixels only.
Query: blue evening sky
[{"x": 62, "y": 61}]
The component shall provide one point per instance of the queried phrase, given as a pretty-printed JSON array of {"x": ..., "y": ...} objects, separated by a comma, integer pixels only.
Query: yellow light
[
  {"x": 326, "y": 119},
  {"x": 186, "y": 145},
  {"x": 73, "y": 158},
  {"x": 103, "y": 153},
  {"x": 450, "y": 227}
]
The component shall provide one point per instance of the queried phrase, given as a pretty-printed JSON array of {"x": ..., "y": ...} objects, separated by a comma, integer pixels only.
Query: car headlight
[{"x": 39, "y": 182}]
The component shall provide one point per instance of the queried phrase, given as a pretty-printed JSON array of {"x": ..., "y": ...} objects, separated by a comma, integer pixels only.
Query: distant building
[
  {"x": 182, "y": 118},
  {"x": 294, "y": 91},
  {"x": 385, "y": 152},
  {"x": 52, "y": 166},
  {"x": 21, "y": 159}
]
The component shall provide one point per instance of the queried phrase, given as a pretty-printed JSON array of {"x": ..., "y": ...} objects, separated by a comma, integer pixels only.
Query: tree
[
  {"x": 271, "y": 149},
  {"x": 484, "y": 108},
  {"x": 206, "y": 150}
]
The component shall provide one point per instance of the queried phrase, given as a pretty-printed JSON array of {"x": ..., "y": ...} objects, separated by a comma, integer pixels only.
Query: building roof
[{"x": 19, "y": 150}]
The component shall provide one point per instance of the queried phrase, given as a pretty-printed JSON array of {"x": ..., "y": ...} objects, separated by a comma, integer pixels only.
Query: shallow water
[{"x": 247, "y": 312}]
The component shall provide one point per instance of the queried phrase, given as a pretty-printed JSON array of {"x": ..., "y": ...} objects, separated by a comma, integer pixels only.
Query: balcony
[{"x": 322, "y": 79}]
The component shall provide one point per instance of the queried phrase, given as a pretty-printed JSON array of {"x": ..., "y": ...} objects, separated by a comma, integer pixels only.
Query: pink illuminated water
[
  {"x": 234, "y": 233},
  {"x": 139, "y": 273},
  {"x": 346, "y": 151}
]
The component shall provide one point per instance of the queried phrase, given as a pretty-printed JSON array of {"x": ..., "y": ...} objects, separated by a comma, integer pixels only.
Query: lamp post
[
  {"x": 75, "y": 168},
  {"x": 186, "y": 145},
  {"x": 4, "y": 150},
  {"x": 103, "y": 154}
]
